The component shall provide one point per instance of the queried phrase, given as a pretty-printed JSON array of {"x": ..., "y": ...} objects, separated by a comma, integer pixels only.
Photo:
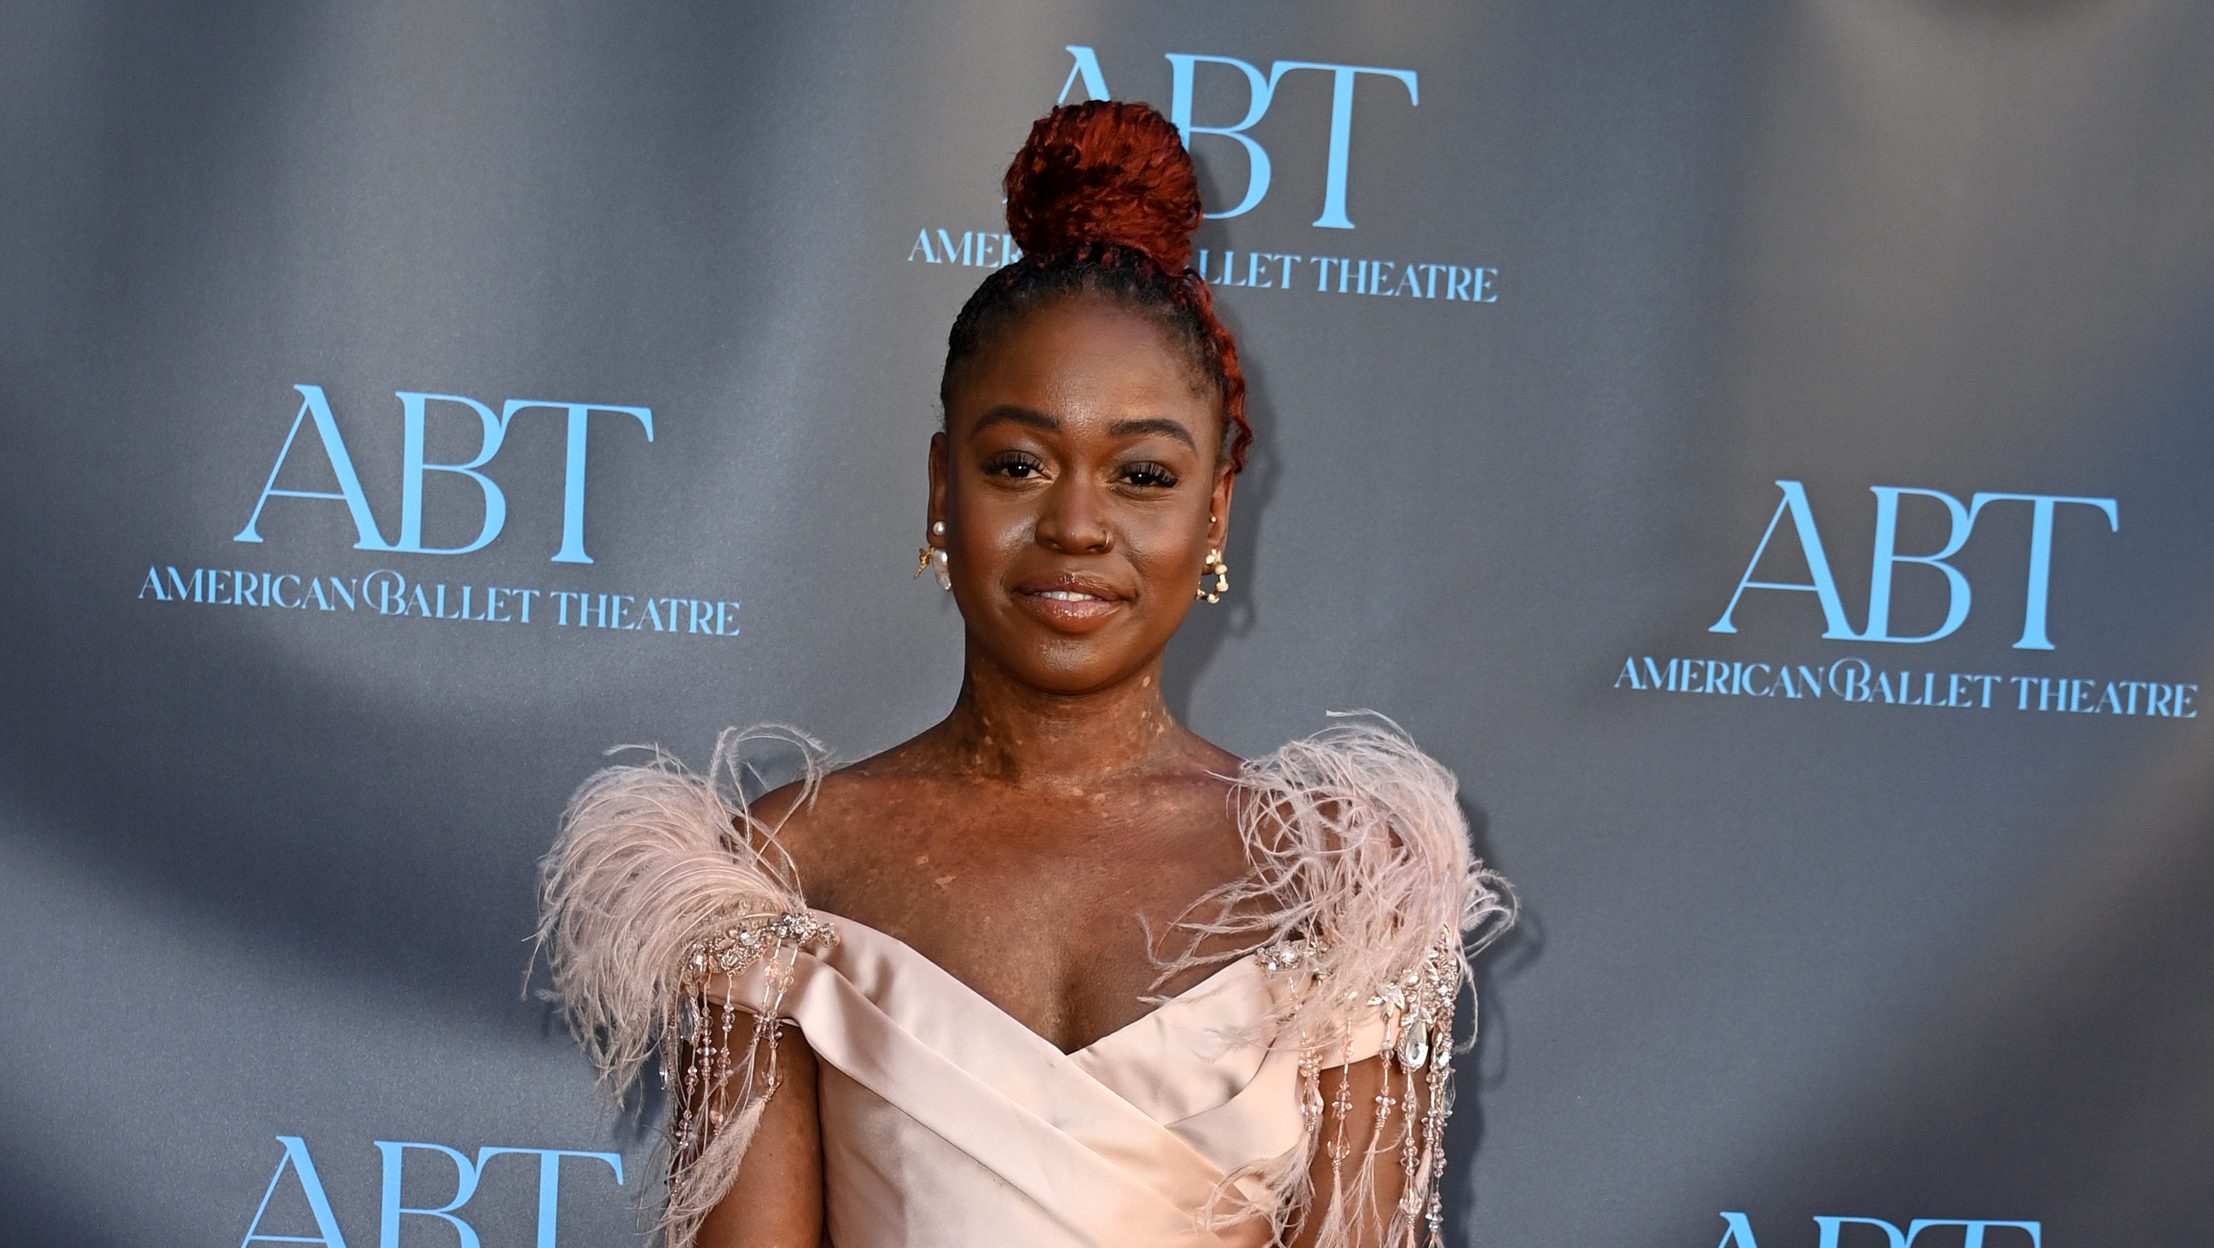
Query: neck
[{"x": 1003, "y": 729}]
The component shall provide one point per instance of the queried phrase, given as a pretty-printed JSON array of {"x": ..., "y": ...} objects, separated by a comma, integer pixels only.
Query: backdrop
[{"x": 1762, "y": 448}]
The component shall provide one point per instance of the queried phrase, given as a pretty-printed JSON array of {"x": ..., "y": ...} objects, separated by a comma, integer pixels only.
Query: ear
[
  {"x": 1218, "y": 506},
  {"x": 938, "y": 482}
]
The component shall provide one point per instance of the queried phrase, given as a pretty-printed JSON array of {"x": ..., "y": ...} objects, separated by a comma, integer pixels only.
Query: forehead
[{"x": 1085, "y": 356}]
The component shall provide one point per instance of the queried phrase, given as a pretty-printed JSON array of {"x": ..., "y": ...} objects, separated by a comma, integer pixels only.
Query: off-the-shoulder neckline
[{"x": 1205, "y": 987}]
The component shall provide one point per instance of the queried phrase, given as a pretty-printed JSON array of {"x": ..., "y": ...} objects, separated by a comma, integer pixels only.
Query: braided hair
[{"x": 1103, "y": 200}]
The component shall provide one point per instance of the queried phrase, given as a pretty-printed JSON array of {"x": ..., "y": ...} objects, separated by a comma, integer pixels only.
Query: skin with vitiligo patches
[
  {"x": 1081, "y": 484},
  {"x": 1025, "y": 841}
]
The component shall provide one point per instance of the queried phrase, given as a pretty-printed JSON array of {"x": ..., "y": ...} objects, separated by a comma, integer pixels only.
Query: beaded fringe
[
  {"x": 661, "y": 883},
  {"x": 1365, "y": 892},
  {"x": 662, "y": 889}
]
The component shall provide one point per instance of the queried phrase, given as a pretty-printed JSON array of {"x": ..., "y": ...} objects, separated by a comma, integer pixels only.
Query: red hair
[{"x": 1103, "y": 199}]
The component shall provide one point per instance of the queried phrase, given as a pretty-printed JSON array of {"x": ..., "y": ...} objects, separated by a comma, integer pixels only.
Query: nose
[{"x": 1073, "y": 518}]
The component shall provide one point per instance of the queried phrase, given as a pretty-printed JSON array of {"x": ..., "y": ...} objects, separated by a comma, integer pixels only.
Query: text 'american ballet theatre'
[
  {"x": 1335, "y": 267},
  {"x": 1873, "y": 678},
  {"x": 318, "y": 471}
]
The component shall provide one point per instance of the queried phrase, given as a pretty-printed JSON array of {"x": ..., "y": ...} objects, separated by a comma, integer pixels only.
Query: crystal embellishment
[
  {"x": 1414, "y": 1043},
  {"x": 1415, "y": 1005},
  {"x": 1288, "y": 955},
  {"x": 742, "y": 944},
  {"x": 716, "y": 1065}
]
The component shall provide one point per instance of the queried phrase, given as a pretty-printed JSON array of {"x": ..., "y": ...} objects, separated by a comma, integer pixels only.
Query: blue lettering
[
  {"x": 1886, "y": 556},
  {"x": 572, "y": 482},
  {"x": 311, "y": 1185},
  {"x": 1182, "y": 67},
  {"x": 1085, "y": 69},
  {"x": 315, "y": 406},
  {"x": 1737, "y": 1231},
  {"x": 1848, "y": 679},
  {"x": 1822, "y": 585},
  {"x": 415, "y": 466},
  {"x": 549, "y": 1180},
  {"x": 1972, "y": 1230},
  {"x": 413, "y": 408},
  {"x": 1341, "y": 127},
  {"x": 465, "y": 1186},
  {"x": 1829, "y": 1225},
  {"x": 2041, "y": 553},
  {"x": 1085, "y": 72},
  {"x": 1746, "y": 670}
]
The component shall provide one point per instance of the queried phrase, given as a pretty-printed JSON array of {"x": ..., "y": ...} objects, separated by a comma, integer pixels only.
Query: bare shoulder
[
  {"x": 1209, "y": 783},
  {"x": 1216, "y": 761},
  {"x": 827, "y": 828}
]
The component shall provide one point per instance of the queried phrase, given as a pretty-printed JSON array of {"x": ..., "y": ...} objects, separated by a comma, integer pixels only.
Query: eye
[
  {"x": 1014, "y": 465},
  {"x": 1149, "y": 475}
]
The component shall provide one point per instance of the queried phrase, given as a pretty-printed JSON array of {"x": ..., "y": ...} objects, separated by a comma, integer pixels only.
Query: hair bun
[{"x": 1104, "y": 171}]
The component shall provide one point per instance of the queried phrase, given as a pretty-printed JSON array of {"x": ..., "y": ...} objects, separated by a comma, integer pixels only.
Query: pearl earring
[
  {"x": 1221, "y": 571},
  {"x": 934, "y": 557}
]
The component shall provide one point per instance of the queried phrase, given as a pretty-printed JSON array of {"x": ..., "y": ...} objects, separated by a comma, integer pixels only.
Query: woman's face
[{"x": 1080, "y": 485}]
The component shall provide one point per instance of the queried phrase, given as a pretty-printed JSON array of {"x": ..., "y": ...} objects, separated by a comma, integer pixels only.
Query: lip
[{"x": 1069, "y": 603}]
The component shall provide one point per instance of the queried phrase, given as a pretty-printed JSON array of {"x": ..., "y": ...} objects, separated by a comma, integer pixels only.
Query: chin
[
  {"x": 1072, "y": 667},
  {"x": 1073, "y": 675}
]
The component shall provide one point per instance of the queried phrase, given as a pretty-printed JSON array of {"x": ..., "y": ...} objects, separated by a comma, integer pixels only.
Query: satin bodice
[
  {"x": 939, "y": 1109},
  {"x": 947, "y": 1123}
]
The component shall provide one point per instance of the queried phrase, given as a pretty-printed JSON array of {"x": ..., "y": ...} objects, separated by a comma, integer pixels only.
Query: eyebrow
[
  {"x": 1153, "y": 424},
  {"x": 1013, "y": 413}
]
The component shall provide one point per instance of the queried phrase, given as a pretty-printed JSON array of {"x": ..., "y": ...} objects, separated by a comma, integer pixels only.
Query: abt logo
[
  {"x": 1844, "y": 1232},
  {"x": 468, "y": 1171},
  {"x": 1260, "y": 92},
  {"x": 315, "y": 415},
  {"x": 2044, "y": 513}
]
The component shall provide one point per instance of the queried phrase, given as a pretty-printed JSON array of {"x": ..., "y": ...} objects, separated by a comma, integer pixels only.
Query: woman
[{"x": 1056, "y": 971}]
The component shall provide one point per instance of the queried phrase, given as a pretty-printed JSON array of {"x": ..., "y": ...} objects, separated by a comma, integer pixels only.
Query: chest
[{"x": 1043, "y": 911}]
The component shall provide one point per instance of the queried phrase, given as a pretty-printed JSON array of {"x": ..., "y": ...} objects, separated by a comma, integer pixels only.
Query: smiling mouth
[{"x": 1069, "y": 609}]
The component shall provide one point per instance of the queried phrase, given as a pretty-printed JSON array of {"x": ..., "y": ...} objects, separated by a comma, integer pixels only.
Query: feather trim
[
  {"x": 1363, "y": 891},
  {"x": 662, "y": 878}
]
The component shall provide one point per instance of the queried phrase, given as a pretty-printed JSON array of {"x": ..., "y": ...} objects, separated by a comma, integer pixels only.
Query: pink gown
[{"x": 945, "y": 1121}]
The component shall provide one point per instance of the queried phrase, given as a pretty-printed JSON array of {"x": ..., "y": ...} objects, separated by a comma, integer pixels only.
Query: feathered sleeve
[
  {"x": 661, "y": 890},
  {"x": 1366, "y": 898}
]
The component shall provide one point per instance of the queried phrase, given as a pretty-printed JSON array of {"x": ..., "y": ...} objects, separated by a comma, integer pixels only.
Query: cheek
[
  {"x": 1167, "y": 547},
  {"x": 988, "y": 531},
  {"x": 995, "y": 525}
]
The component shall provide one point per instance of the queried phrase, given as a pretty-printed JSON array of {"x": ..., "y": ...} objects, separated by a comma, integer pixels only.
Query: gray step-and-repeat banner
[{"x": 1763, "y": 448}]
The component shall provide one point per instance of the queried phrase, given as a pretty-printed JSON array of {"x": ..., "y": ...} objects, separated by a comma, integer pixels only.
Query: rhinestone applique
[
  {"x": 1286, "y": 955},
  {"x": 719, "y": 1061},
  {"x": 732, "y": 950},
  {"x": 1417, "y": 1008}
]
